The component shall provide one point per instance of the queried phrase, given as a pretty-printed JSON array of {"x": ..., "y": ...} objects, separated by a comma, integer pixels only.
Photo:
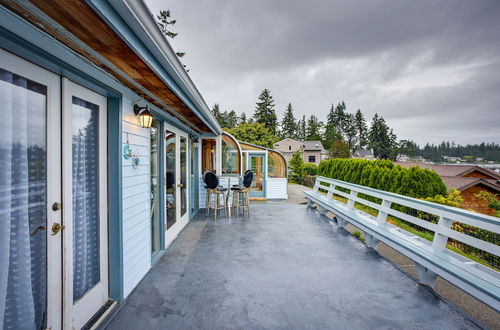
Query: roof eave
[{"x": 140, "y": 20}]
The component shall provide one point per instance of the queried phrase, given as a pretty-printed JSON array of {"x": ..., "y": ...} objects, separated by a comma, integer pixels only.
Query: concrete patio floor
[{"x": 285, "y": 267}]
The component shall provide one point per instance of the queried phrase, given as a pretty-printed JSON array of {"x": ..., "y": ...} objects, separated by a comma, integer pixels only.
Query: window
[
  {"x": 289, "y": 147},
  {"x": 208, "y": 155},
  {"x": 230, "y": 156},
  {"x": 312, "y": 159},
  {"x": 276, "y": 165}
]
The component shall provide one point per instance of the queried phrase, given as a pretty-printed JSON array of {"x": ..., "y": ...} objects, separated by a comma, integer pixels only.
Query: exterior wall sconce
[
  {"x": 194, "y": 139},
  {"x": 145, "y": 117}
]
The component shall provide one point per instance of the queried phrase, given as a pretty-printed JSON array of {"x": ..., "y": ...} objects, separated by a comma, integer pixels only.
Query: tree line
[{"x": 342, "y": 134}]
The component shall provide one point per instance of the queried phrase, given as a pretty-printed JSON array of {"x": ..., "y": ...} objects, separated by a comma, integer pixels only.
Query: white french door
[
  {"x": 53, "y": 199},
  {"x": 30, "y": 196},
  {"x": 176, "y": 182},
  {"x": 85, "y": 244}
]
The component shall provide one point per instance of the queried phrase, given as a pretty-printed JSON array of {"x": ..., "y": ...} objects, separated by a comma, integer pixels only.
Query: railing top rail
[{"x": 453, "y": 213}]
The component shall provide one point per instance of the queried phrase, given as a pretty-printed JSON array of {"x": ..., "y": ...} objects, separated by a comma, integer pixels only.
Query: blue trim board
[{"x": 115, "y": 199}]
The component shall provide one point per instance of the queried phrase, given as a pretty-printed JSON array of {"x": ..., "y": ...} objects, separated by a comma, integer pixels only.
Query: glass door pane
[
  {"x": 170, "y": 178},
  {"x": 183, "y": 174},
  {"x": 155, "y": 189},
  {"x": 85, "y": 169},
  {"x": 257, "y": 166},
  {"x": 23, "y": 198}
]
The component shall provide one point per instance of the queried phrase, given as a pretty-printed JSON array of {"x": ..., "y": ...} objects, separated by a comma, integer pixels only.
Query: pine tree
[
  {"x": 217, "y": 114},
  {"x": 382, "y": 139},
  {"x": 338, "y": 117},
  {"x": 243, "y": 118},
  {"x": 288, "y": 125},
  {"x": 350, "y": 131},
  {"x": 301, "y": 129},
  {"x": 361, "y": 130},
  {"x": 331, "y": 131},
  {"x": 264, "y": 112},
  {"x": 313, "y": 130},
  {"x": 231, "y": 119},
  {"x": 297, "y": 166},
  {"x": 163, "y": 20}
]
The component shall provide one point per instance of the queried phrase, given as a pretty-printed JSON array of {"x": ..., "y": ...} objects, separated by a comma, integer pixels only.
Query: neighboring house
[
  {"x": 364, "y": 154},
  {"x": 104, "y": 138},
  {"x": 288, "y": 147},
  {"x": 468, "y": 179},
  {"x": 312, "y": 151}
]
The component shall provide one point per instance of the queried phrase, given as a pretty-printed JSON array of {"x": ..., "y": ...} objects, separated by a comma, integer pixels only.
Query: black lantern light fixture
[{"x": 145, "y": 117}]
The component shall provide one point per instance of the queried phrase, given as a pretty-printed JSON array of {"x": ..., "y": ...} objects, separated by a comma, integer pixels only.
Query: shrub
[
  {"x": 310, "y": 169},
  {"x": 384, "y": 175},
  {"x": 297, "y": 166}
]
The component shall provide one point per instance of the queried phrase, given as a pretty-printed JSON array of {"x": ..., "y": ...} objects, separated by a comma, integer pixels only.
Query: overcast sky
[{"x": 430, "y": 68}]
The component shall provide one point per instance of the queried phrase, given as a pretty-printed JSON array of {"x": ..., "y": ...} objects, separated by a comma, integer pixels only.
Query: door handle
[
  {"x": 56, "y": 227},
  {"x": 180, "y": 185},
  {"x": 37, "y": 229}
]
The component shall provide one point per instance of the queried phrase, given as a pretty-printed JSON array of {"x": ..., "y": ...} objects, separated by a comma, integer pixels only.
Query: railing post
[
  {"x": 382, "y": 216},
  {"x": 351, "y": 201},
  {"x": 329, "y": 194},
  {"x": 316, "y": 185},
  {"x": 440, "y": 240}
]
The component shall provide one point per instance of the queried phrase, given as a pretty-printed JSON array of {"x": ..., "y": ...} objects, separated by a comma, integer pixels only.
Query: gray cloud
[{"x": 431, "y": 69}]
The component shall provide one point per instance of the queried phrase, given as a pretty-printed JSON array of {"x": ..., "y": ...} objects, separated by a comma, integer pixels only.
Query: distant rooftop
[
  {"x": 451, "y": 170},
  {"x": 313, "y": 145}
]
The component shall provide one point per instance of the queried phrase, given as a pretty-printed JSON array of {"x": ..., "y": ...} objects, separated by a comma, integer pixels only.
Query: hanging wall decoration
[{"x": 129, "y": 154}]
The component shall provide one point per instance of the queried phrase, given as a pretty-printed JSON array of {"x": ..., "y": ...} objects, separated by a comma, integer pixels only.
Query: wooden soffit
[{"x": 93, "y": 36}]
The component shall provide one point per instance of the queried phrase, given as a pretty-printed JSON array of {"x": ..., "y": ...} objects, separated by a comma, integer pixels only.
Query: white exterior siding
[
  {"x": 276, "y": 188},
  {"x": 203, "y": 192},
  {"x": 136, "y": 201}
]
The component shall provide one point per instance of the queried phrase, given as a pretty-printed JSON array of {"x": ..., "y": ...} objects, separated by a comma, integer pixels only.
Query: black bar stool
[
  {"x": 240, "y": 193},
  {"x": 213, "y": 189}
]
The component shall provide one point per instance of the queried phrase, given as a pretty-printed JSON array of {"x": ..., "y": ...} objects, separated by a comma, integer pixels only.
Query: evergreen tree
[
  {"x": 164, "y": 20},
  {"x": 218, "y": 115},
  {"x": 337, "y": 117},
  {"x": 301, "y": 129},
  {"x": 243, "y": 118},
  {"x": 382, "y": 139},
  {"x": 264, "y": 112},
  {"x": 297, "y": 166},
  {"x": 231, "y": 119},
  {"x": 361, "y": 130},
  {"x": 331, "y": 131},
  {"x": 288, "y": 125},
  {"x": 350, "y": 131},
  {"x": 313, "y": 130}
]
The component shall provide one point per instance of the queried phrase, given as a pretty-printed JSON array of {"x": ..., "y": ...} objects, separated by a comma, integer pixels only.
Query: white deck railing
[{"x": 431, "y": 258}]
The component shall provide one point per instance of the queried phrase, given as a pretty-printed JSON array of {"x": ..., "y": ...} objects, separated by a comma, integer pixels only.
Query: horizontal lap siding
[
  {"x": 203, "y": 192},
  {"x": 277, "y": 188},
  {"x": 136, "y": 202}
]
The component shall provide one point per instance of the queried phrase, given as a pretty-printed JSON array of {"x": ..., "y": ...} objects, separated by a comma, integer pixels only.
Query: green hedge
[
  {"x": 384, "y": 175},
  {"x": 310, "y": 168}
]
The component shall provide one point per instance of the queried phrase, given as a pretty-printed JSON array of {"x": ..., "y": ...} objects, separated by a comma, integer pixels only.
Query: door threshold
[{"x": 102, "y": 314}]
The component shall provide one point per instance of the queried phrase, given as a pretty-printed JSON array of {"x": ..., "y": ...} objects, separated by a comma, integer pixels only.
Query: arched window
[
  {"x": 231, "y": 156},
  {"x": 276, "y": 165}
]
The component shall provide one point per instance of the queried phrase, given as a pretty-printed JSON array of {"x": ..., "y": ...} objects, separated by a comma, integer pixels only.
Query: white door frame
[
  {"x": 75, "y": 315},
  {"x": 181, "y": 221},
  {"x": 33, "y": 72}
]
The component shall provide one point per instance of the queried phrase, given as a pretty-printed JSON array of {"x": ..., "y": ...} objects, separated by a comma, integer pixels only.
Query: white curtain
[
  {"x": 22, "y": 203},
  {"x": 85, "y": 197}
]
